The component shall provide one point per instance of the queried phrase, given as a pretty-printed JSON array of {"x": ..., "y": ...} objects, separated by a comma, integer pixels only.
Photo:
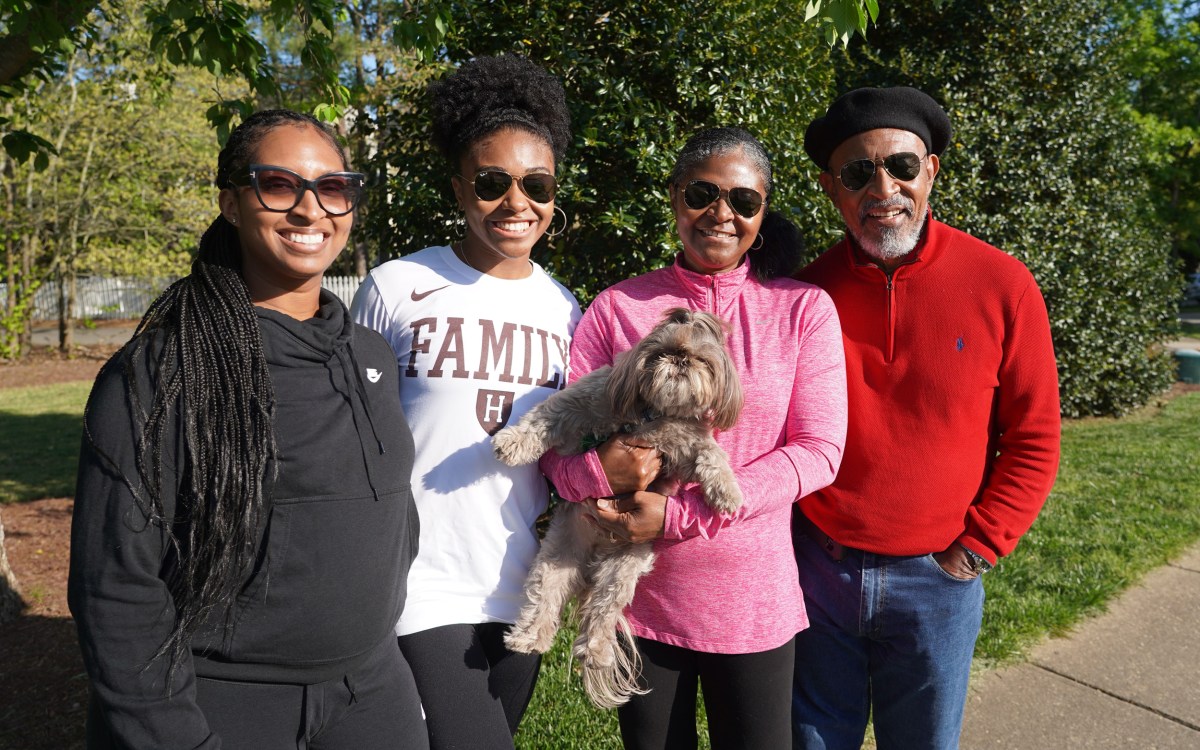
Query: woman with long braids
[
  {"x": 243, "y": 520},
  {"x": 722, "y": 606},
  {"x": 481, "y": 333}
]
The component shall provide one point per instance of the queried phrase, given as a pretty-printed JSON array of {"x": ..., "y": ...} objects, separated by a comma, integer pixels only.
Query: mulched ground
[
  {"x": 43, "y": 688},
  {"x": 44, "y": 366}
]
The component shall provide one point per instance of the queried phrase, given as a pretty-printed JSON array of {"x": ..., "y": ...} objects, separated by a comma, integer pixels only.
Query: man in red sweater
[{"x": 952, "y": 443}]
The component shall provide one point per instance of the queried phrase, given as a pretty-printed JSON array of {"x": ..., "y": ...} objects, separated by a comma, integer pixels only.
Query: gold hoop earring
[
  {"x": 759, "y": 242},
  {"x": 564, "y": 226}
]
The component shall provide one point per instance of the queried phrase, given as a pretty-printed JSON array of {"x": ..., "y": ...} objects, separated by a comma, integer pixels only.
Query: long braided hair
[
  {"x": 782, "y": 247},
  {"x": 213, "y": 399}
]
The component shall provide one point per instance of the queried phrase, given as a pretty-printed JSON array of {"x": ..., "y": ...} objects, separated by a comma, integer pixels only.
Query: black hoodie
[{"x": 340, "y": 533}]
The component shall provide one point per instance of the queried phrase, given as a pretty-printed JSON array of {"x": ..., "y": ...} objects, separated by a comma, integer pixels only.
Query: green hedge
[{"x": 1046, "y": 163}]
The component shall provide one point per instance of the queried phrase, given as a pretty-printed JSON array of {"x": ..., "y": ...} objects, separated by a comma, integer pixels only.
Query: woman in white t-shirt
[{"x": 481, "y": 334}]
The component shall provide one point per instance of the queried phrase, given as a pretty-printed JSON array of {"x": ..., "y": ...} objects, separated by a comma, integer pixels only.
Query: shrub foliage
[
  {"x": 1046, "y": 163},
  {"x": 640, "y": 78}
]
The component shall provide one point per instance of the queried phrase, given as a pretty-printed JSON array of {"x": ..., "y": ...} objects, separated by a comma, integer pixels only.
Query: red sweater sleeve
[{"x": 1028, "y": 428}]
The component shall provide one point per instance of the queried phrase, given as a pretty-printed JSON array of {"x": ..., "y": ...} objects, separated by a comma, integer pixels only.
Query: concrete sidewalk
[{"x": 1126, "y": 680}]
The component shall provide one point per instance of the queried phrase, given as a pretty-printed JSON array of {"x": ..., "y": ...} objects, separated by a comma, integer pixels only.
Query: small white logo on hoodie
[{"x": 374, "y": 375}]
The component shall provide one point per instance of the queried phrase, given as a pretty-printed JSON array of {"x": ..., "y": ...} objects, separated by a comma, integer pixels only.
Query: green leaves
[
  {"x": 423, "y": 28},
  {"x": 840, "y": 19},
  {"x": 21, "y": 146}
]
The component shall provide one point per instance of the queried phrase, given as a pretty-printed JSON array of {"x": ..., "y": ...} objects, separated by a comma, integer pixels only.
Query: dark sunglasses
[
  {"x": 745, "y": 202},
  {"x": 491, "y": 184},
  {"x": 280, "y": 189},
  {"x": 903, "y": 166}
]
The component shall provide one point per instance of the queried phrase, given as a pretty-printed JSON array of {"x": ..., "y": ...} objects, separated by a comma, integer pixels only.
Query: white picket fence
[{"x": 119, "y": 298}]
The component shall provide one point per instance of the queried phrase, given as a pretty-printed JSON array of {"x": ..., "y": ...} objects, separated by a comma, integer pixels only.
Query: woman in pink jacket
[{"x": 722, "y": 606}]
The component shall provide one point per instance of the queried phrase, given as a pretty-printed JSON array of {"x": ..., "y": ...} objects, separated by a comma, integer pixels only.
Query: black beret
[{"x": 860, "y": 110}]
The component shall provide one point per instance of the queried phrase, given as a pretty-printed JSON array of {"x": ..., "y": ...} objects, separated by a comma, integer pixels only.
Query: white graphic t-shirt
[{"x": 475, "y": 352}]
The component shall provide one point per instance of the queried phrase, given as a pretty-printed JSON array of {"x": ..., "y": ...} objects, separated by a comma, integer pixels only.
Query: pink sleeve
[
  {"x": 582, "y": 476},
  {"x": 814, "y": 435}
]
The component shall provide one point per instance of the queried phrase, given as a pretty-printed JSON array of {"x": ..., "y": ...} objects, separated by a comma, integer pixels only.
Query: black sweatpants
[
  {"x": 747, "y": 699},
  {"x": 473, "y": 689},
  {"x": 374, "y": 706}
]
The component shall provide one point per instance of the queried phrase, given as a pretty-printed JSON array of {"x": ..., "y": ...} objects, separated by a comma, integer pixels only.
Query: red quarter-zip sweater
[{"x": 954, "y": 421}]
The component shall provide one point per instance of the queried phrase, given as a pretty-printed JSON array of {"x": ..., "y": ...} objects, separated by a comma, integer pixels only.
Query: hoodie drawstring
[{"x": 349, "y": 363}]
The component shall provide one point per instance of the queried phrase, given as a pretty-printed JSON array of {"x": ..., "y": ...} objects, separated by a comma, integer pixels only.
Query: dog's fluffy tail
[{"x": 611, "y": 684}]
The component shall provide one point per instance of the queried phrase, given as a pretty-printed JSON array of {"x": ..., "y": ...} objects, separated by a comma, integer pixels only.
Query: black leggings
[
  {"x": 747, "y": 697},
  {"x": 473, "y": 689}
]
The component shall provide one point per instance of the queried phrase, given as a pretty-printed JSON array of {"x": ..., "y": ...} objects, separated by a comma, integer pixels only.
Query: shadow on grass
[
  {"x": 38, "y": 455},
  {"x": 43, "y": 688}
]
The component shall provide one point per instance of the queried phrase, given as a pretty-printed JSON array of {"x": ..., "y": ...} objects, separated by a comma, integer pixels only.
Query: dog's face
[{"x": 680, "y": 370}]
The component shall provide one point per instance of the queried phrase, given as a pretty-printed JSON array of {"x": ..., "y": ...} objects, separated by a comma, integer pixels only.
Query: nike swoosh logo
[{"x": 418, "y": 296}]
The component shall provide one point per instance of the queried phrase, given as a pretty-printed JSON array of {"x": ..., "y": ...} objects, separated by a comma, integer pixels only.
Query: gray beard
[{"x": 892, "y": 243}]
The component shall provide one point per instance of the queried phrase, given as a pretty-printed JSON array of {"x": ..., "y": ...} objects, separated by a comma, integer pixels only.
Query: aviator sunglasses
[
  {"x": 745, "y": 202},
  {"x": 279, "y": 189},
  {"x": 904, "y": 166},
  {"x": 491, "y": 184}
]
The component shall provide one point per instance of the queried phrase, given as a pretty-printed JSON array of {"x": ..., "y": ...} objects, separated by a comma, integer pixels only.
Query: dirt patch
[
  {"x": 45, "y": 365},
  {"x": 43, "y": 687}
]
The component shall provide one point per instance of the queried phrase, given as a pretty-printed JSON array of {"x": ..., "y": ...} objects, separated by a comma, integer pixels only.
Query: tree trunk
[
  {"x": 8, "y": 337},
  {"x": 25, "y": 334},
  {"x": 66, "y": 311},
  {"x": 11, "y": 603}
]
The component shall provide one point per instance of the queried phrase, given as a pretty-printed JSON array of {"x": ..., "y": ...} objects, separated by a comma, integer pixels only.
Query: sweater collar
[
  {"x": 698, "y": 285},
  {"x": 313, "y": 340}
]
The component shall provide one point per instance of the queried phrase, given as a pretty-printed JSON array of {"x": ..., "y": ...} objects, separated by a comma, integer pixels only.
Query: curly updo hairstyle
[
  {"x": 487, "y": 94},
  {"x": 782, "y": 246},
  {"x": 212, "y": 406}
]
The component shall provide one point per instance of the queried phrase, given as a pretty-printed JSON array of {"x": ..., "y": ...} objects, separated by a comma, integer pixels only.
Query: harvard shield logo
[{"x": 492, "y": 409}]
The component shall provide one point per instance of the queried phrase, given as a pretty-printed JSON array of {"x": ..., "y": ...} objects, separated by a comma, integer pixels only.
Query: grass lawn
[
  {"x": 40, "y": 428},
  {"x": 1126, "y": 501}
]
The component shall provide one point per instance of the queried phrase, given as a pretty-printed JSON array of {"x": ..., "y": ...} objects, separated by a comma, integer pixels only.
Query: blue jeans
[{"x": 889, "y": 636}]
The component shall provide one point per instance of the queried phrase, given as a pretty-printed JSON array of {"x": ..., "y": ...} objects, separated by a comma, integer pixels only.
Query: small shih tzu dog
[{"x": 670, "y": 391}]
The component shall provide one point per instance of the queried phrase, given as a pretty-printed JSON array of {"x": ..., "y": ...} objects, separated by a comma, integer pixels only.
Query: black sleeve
[{"x": 122, "y": 607}]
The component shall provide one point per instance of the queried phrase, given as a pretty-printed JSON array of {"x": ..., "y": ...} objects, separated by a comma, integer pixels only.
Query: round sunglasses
[
  {"x": 904, "y": 166},
  {"x": 492, "y": 184},
  {"x": 280, "y": 189},
  {"x": 745, "y": 202}
]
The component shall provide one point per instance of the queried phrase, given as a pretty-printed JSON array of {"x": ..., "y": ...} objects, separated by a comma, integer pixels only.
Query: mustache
[{"x": 896, "y": 201}]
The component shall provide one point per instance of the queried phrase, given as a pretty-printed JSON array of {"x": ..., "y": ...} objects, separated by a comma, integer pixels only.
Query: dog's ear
[
  {"x": 623, "y": 384},
  {"x": 730, "y": 399}
]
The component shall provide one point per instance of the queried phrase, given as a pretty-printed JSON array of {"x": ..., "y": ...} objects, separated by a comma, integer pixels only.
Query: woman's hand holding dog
[
  {"x": 629, "y": 467},
  {"x": 633, "y": 517}
]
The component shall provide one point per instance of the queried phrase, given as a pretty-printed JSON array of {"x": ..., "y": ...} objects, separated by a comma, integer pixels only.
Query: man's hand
[
  {"x": 634, "y": 517},
  {"x": 629, "y": 467},
  {"x": 956, "y": 562}
]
